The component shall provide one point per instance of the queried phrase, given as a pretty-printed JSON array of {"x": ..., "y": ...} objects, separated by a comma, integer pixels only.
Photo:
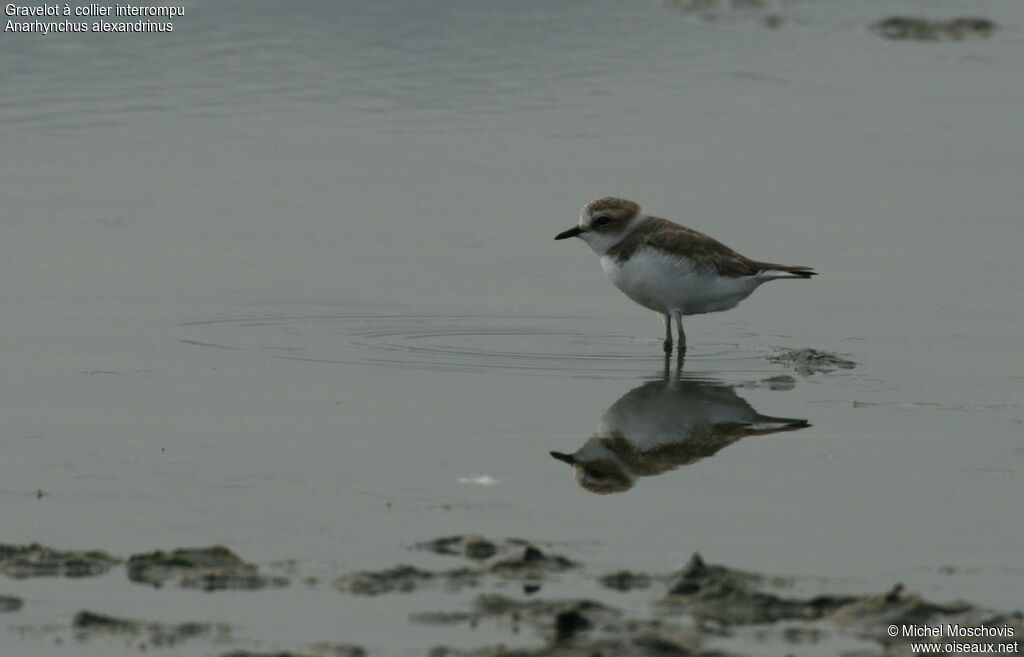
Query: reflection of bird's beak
[
  {"x": 572, "y": 232},
  {"x": 565, "y": 458}
]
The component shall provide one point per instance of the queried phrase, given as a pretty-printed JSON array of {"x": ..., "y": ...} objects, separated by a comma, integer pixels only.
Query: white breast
[{"x": 667, "y": 283}]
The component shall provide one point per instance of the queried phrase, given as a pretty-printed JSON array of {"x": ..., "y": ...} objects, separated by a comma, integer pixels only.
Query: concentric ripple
[{"x": 562, "y": 346}]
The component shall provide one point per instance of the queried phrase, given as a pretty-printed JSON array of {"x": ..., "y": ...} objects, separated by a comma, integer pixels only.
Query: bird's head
[{"x": 604, "y": 222}]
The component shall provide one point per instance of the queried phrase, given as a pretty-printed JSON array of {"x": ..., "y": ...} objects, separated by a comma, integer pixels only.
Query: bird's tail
[
  {"x": 789, "y": 270},
  {"x": 766, "y": 424}
]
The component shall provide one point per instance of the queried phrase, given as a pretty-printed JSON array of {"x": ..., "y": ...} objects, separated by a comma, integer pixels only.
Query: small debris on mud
[
  {"x": 338, "y": 649},
  {"x": 152, "y": 634},
  {"x": 780, "y": 382},
  {"x": 477, "y": 548},
  {"x": 34, "y": 560},
  {"x": 89, "y": 620},
  {"x": 555, "y": 619},
  {"x": 811, "y": 361},
  {"x": 707, "y": 5},
  {"x": 911, "y": 28},
  {"x": 9, "y": 603},
  {"x": 442, "y": 617},
  {"x": 214, "y": 568},
  {"x": 531, "y": 564},
  {"x": 403, "y": 579},
  {"x": 322, "y": 650},
  {"x": 625, "y": 580},
  {"x": 714, "y": 11}
]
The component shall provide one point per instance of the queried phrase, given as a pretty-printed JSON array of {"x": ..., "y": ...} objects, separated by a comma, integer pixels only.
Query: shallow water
[{"x": 284, "y": 280}]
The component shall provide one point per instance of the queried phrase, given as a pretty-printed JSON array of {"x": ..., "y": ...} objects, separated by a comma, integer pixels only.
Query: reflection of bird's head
[{"x": 598, "y": 469}]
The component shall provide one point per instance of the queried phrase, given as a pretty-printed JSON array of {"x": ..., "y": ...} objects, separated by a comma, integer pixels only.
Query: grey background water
[{"x": 282, "y": 278}]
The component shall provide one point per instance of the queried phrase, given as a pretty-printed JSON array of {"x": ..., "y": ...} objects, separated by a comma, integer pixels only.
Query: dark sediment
[
  {"x": 9, "y": 603},
  {"x": 811, "y": 361},
  {"x": 780, "y": 382},
  {"x": 912, "y": 28},
  {"x": 321, "y": 650},
  {"x": 404, "y": 579},
  {"x": 530, "y": 566},
  {"x": 733, "y": 597},
  {"x": 214, "y": 568},
  {"x": 34, "y": 560},
  {"x": 703, "y": 5},
  {"x": 577, "y": 627},
  {"x": 625, "y": 580},
  {"x": 87, "y": 623},
  {"x": 476, "y": 548},
  {"x": 714, "y": 11}
]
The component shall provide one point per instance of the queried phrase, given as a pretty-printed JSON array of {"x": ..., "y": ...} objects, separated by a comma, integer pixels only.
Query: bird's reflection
[{"x": 662, "y": 425}]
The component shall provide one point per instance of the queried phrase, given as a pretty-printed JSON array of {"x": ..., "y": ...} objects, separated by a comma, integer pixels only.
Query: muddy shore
[{"x": 693, "y": 610}]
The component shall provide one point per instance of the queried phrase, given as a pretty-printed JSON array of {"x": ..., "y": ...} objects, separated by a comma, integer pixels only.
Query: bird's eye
[{"x": 602, "y": 221}]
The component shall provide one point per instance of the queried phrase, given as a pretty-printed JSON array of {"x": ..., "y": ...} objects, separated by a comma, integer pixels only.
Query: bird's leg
[
  {"x": 682, "y": 334},
  {"x": 668, "y": 335}
]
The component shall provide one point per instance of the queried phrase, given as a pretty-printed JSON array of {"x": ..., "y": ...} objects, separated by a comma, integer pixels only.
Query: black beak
[
  {"x": 565, "y": 458},
  {"x": 572, "y": 232}
]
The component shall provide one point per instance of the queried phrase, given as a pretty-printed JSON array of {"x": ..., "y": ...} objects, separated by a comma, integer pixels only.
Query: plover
[{"x": 671, "y": 269}]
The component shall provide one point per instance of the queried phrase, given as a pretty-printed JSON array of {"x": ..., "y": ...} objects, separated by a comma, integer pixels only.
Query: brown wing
[{"x": 707, "y": 253}]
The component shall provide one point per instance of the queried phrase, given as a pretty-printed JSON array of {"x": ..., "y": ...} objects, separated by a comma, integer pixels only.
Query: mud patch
[
  {"x": 625, "y": 580},
  {"x": 807, "y": 361},
  {"x": 214, "y": 568},
  {"x": 689, "y": 611},
  {"x": 9, "y": 603},
  {"x": 87, "y": 624},
  {"x": 909, "y": 28},
  {"x": 35, "y": 560}
]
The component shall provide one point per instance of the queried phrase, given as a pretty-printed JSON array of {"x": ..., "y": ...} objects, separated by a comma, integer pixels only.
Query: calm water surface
[{"x": 284, "y": 280}]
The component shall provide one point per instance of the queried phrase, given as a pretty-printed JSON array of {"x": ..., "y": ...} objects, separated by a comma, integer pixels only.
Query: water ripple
[{"x": 556, "y": 346}]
